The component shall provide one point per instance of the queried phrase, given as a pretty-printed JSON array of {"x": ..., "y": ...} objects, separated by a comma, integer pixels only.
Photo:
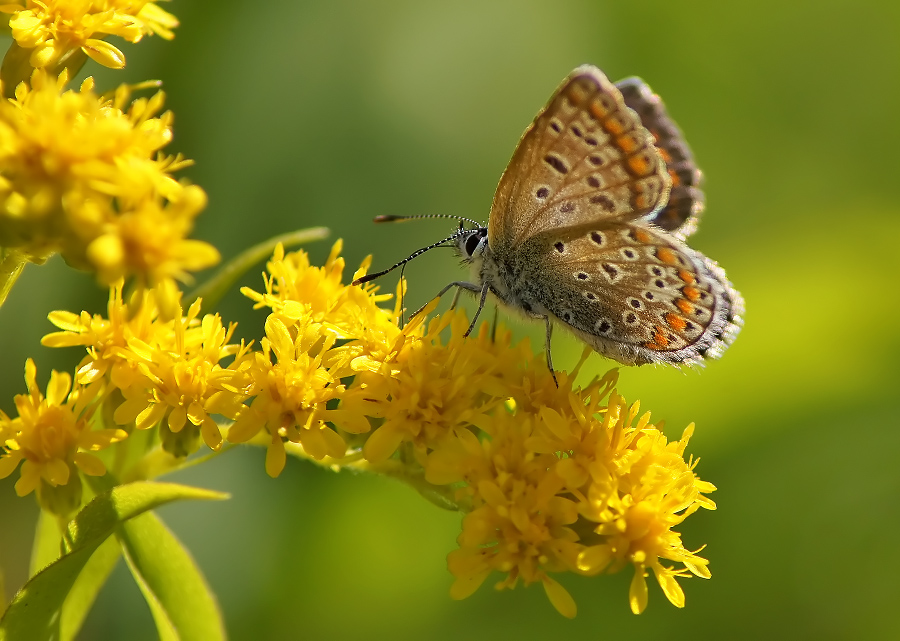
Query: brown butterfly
[{"x": 588, "y": 227}]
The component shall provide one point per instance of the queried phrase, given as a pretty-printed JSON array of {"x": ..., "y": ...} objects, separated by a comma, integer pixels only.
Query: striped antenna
[
  {"x": 441, "y": 243},
  {"x": 396, "y": 219}
]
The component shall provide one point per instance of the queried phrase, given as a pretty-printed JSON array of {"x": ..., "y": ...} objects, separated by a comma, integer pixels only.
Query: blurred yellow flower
[
  {"x": 83, "y": 176},
  {"x": 53, "y": 439},
  {"x": 50, "y": 29}
]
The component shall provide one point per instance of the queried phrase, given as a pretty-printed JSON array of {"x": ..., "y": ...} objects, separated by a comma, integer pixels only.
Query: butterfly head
[{"x": 471, "y": 243}]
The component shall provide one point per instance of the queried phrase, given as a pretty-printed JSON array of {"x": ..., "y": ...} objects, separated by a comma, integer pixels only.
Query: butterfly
[{"x": 588, "y": 230}]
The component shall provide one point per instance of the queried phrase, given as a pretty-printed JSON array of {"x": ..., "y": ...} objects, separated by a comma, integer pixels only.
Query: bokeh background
[{"x": 329, "y": 113}]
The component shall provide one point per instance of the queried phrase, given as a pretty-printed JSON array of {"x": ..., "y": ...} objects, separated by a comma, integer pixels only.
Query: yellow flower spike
[{"x": 51, "y": 437}]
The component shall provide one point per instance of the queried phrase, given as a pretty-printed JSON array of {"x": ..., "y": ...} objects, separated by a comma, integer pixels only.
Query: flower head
[
  {"x": 84, "y": 175},
  {"x": 53, "y": 439},
  {"x": 52, "y": 29}
]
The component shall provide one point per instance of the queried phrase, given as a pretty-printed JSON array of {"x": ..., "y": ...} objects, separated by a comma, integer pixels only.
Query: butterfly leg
[
  {"x": 484, "y": 292},
  {"x": 549, "y": 357},
  {"x": 460, "y": 285}
]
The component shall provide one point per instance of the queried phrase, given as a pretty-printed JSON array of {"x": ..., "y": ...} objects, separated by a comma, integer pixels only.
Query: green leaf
[
  {"x": 34, "y": 613},
  {"x": 46, "y": 542},
  {"x": 87, "y": 586},
  {"x": 179, "y": 598}
]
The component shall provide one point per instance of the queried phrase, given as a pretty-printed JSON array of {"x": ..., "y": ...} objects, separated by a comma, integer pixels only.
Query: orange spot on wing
[
  {"x": 659, "y": 337},
  {"x": 627, "y": 143},
  {"x": 684, "y": 306},
  {"x": 662, "y": 152},
  {"x": 576, "y": 94},
  {"x": 691, "y": 293},
  {"x": 675, "y": 321},
  {"x": 640, "y": 165},
  {"x": 666, "y": 255},
  {"x": 598, "y": 110},
  {"x": 686, "y": 276},
  {"x": 613, "y": 125},
  {"x": 676, "y": 179},
  {"x": 641, "y": 236}
]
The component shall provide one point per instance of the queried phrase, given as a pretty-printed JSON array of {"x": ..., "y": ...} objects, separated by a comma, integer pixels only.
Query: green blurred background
[{"x": 329, "y": 113}]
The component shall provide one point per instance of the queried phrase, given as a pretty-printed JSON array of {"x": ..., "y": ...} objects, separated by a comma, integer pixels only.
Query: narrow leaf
[
  {"x": 179, "y": 598},
  {"x": 34, "y": 613}
]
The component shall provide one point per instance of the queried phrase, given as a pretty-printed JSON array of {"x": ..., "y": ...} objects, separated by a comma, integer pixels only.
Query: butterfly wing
[
  {"x": 686, "y": 199},
  {"x": 585, "y": 158},
  {"x": 632, "y": 291}
]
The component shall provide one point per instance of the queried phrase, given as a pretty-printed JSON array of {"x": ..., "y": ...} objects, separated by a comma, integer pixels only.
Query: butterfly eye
[{"x": 472, "y": 243}]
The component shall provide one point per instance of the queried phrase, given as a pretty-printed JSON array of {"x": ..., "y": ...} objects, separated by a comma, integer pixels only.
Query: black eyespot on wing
[
  {"x": 557, "y": 163},
  {"x": 560, "y": 247},
  {"x": 542, "y": 192},
  {"x": 604, "y": 201}
]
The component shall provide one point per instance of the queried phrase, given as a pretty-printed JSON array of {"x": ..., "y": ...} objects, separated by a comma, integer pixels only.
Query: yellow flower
[
  {"x": 576, "y": 486},
  {"x": 83, "y": 175},
  {"x": 52, "y": 438},
  {"x": 51, "y": 29},
  {"x": 520, "y": 519},
  {"x": 426, "y": 390},
  {"x": 107, "y": 339},
  {"x": 292, "y": 391},
  {"x": 163, "y": 369},
  {"x": 184, "y": 383},
  {"x": 295, "y": 289},
  {"x": 636, "y": 497}
]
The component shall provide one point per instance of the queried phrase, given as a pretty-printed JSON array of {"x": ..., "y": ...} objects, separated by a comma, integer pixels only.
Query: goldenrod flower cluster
[
  {"x": 551, "y": 479},
  {"x": 83, "y": 174}
]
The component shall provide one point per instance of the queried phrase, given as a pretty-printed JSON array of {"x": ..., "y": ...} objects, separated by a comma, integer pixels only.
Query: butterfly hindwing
[
  {"x": 686, "y": 199},
  {"x": 635, "y": 293}
]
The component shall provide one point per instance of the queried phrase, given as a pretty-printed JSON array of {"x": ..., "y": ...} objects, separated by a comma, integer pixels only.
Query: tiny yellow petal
[
  {"x": 560, "y": 598},
  {"x": 104, "y": 53}
]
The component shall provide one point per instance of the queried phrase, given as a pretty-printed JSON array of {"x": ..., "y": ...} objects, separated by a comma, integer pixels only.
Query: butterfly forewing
[
  {"x": 586, "y": 158},
  {"x": 635, "y": 293},
  {"x": 686, "y": 199}
]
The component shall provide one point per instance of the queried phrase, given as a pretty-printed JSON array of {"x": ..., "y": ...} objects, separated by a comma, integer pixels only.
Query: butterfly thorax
[{"x": 505, "y": 278}]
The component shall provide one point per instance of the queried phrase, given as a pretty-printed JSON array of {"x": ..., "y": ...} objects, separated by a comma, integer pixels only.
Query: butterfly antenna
[
  {"x": 396, "y": 219},
  {"x": 415, "y": 254}
]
